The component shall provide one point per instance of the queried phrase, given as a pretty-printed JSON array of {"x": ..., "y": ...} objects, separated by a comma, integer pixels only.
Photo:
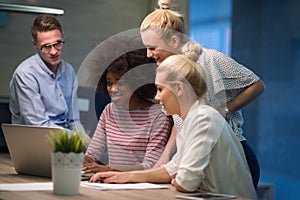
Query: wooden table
[{"x": 8, "y": 175}]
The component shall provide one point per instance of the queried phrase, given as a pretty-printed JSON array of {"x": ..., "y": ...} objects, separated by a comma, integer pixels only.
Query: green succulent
[{"x": 62, "y": 141}]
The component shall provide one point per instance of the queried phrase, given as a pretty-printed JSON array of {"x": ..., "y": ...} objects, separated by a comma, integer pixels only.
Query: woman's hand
[
  {"x": 93, "y": 167},
  {"x": 111, "y": 177}
]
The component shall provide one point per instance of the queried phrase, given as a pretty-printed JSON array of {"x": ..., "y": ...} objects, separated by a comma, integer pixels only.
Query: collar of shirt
[
  {"x": 60, "y": 67},
  {"x": 195, "y": 105}
]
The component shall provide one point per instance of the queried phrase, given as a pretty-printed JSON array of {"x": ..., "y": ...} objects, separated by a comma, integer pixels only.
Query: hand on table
[
  {"x": 111, "y": 177},
  {"x": 93, "y": 167}
]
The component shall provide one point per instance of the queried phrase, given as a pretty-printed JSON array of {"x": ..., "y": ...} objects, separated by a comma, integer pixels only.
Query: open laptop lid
[{"x": 29, "y": 149}]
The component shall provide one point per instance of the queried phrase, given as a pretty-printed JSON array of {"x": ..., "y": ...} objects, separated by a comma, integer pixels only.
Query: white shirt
[{"x": 209, "y": 156}]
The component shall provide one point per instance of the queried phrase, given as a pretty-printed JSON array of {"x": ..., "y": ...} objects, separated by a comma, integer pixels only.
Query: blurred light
[{"x": 29, "y": 9}]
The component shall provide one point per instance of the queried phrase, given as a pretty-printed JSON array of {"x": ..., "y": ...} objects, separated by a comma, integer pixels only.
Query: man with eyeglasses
[{"x": 44, "y": 87}]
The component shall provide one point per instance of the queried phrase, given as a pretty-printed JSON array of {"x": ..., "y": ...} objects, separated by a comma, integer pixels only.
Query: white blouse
[{"x": 209, "y": 156}]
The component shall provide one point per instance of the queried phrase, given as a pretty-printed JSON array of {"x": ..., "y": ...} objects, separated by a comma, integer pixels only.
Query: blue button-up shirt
[{"x": 39, "y": 97}]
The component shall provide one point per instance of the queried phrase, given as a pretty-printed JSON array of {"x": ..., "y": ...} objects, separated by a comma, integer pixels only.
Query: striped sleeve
[
  {"x": 159, "y": 134},
  {"x": 98, "y": 142}
]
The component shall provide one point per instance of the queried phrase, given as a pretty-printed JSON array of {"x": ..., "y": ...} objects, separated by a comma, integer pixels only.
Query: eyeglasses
[{"x": 58, "y": 45}]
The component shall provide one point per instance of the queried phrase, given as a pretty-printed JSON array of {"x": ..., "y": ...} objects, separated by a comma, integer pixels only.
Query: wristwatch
[
  {"x": 226, "y": 109},
  {"x": 226, "y": 112}
]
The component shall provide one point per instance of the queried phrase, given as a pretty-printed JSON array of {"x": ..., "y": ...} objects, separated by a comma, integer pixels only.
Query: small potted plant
[{"x": 66, "y": 161}]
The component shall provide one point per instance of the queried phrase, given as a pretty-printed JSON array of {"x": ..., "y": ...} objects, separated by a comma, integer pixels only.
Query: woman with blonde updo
[
  {"x": 208, "y": 153},
  {"x": 231, "y": 86}
]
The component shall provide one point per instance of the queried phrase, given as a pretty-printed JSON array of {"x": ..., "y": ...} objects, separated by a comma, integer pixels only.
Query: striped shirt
[{"x": 132, "y": 137}]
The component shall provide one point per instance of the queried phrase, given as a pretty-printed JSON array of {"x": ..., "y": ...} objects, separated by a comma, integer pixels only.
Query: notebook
[{"x": 29, "y": 149}]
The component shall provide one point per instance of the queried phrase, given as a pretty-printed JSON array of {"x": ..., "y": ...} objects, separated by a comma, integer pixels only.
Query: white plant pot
[{"x": 66, "y": 172}]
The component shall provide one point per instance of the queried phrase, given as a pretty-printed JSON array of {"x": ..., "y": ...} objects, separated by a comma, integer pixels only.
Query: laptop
[{"x": 29, "y": 149}]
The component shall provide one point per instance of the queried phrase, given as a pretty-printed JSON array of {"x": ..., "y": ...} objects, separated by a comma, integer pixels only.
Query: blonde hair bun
[
  {"x": 164, "y": 4},
  {"x": 192, "y": 50}
]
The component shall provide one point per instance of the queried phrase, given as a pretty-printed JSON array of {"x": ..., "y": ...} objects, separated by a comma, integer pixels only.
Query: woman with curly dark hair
[{"x": 132, "y": 128}]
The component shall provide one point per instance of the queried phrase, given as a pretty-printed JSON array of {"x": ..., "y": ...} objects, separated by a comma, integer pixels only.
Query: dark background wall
[{"x": 266, "y": 36}]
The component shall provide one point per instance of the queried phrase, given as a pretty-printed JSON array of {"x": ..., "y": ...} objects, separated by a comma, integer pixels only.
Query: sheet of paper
[
  {"x": 98, "y": 186},
  {"x": 26, "y": 186},
  {"x": 126, "y": 186}
]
